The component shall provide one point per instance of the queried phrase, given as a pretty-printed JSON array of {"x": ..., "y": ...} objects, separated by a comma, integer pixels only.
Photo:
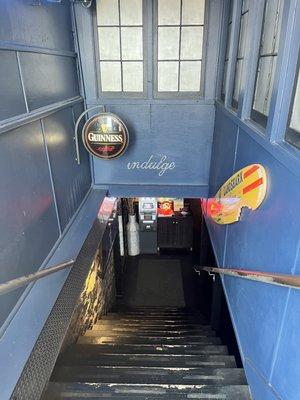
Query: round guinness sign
[{"x": 105, "y": 136}]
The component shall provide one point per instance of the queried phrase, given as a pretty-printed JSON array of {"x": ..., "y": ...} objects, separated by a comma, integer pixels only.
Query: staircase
[{"x": 148, "y": 353}]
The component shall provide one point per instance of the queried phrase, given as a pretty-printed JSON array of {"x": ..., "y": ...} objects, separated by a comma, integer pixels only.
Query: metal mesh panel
[{"x": 38, "y": 368}]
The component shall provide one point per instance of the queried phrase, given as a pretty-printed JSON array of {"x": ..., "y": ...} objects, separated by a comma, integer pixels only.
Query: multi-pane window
[
  {"x": 120, "y": 34},
  {"x": 240, "y": 53},
  {"x": 293, "y": 131},
  {"x": 180, "y": 25},
  {"x": 267, "y": 60},
  {"x": 226, "y": 61}
]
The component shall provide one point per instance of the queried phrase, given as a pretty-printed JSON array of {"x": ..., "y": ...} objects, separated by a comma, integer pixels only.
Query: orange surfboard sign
[{"x": 246, "y": 188}]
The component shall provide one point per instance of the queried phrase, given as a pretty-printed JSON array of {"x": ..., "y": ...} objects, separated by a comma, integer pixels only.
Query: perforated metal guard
[{"x": 39, "y": 366}]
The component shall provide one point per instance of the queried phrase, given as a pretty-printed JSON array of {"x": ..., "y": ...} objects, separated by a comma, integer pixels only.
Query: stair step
[
  {"x": 155, "y": 318},
  {"x": 115, "y": 330},
  {"x": 149, "y": 349},
  {"x": 149, "y": 324},
  {"x": 123, "y": 308},
  {"x": 150, "y": 360},
  {"x": 81, "y": 391},
  {"x": 94, "y": 338},
  {"x": 150, "y": 375},
  {"x": 157, "y": 313}
]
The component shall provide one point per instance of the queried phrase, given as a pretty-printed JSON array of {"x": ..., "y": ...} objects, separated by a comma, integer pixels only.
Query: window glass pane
[
  {"x": 109, "y": 43},
  {"x": 182, "y": 43},
  {"x": 121, "y": 46},
  {"x": 245, "y": 5},
  {"x": 168, "y": 12},
  {"x": 242, "y": 36},
  {"x": 265, "y": 78},
  {"x": 132, "y": 76},
  {"x": 267, "y": 59},
  {"x": 168, "y": 76},
  {"x": 132, "y": 43},
  {"x": 224, "y": 79},
  {"x": 110, "y": 76},
  {"x": 190, "y": 74},
  {"x": 295, "y": 116},
  {"x": 228, "y": 41},
  {"x": 168, "y": 43},
  {"x": 240, "y": 58},
  {"x": 191, "y": 42},
  {"x": 107, "y": 12},
  {"x": 269, "y": 39},
  {"x": 193, "y": 12},
  {"x": 237, "y": 81},
  {"x": 131, "y": 12}
]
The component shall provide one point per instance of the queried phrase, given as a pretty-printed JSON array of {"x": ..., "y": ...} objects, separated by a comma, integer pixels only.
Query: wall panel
[
  {"x": 180, "y": 133},
  {"x": 264, "y": 316},
  {"x": 71, "y": 181},
  {"x": 36, "y": 23},
  {"x": 27, "y": 220},
  {"x": 48, "y": 78},
  {"x": 10, "y": 86}
]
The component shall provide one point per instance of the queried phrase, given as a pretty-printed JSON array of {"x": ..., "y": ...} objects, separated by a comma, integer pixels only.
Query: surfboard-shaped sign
[{"x": 246, "y": 188}]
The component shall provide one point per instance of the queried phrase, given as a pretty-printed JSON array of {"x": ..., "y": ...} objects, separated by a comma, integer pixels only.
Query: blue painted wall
[
  {"x": 41, "y": 185},
  {"x": 181, "y": 130},
  {"x": 265, "y": 317}
]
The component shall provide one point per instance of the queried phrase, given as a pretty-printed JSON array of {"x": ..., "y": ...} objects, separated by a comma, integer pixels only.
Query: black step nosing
[
  {"x": 142, "y": 329},
  {"x": 140, "y": 355},
  {"x": 100, "y": 334},
  {"x": 147, "y": 364},
  {"x": 169, "y": 387},
  {"x": 95, "y": 341},
  {"x": 148, "y": 349},
  {"x": 144, "y": 325},
  {"x": 124, "y": 345},
  {"x": 150, "y": 375},
  {"x": 197, "y": 370},
  {"x": 154, "y": 317},
  {"x": 205, "y": 392}
]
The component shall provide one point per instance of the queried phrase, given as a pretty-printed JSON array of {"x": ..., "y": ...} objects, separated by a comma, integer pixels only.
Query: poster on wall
[
  {"x": 246, "y": 188},
  {"x": 105, "y": 136}
]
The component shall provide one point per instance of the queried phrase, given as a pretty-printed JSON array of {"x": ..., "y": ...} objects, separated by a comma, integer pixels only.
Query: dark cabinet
[{"x": 175, "y": 232}]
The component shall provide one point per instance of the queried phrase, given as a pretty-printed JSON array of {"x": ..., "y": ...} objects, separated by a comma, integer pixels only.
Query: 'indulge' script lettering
[{"x": 161, "y": 166}]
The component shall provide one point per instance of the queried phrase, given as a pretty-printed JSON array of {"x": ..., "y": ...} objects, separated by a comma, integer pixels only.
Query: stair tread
[
  {"x": 150, "y": 349},
  {"x": 71, "y": 390},
  {"x": 146, "y": 324},
  {"x": 76, "y": 358},
  {"x": 146, "y": 330},
  {"x": 96, "y": 339},
  {"x": 130, "y": 334},
  {"x": 148, "y": 353},
  {"x": 147, "y": 375}
]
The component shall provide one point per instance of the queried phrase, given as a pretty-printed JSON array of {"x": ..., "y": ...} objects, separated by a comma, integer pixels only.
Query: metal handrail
[
  {"x": 25, "y": 279},
  {"x": 286, "y": 280}
]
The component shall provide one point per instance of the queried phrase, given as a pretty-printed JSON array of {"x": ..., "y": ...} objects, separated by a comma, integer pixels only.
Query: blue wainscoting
[{"x": 266, "y": 318}]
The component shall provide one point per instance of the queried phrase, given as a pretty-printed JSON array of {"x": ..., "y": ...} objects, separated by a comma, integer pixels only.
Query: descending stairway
[{"x": 148, "y": 353}]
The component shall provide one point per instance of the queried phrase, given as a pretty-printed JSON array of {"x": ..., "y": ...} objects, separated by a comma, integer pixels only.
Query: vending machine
[{"x": 148, "y": 225}]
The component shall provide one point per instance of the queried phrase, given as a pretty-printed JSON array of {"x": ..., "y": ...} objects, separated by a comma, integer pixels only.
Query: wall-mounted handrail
[
  {"x": 24, "y": 280},
  {"x": 292, "y": 281}
]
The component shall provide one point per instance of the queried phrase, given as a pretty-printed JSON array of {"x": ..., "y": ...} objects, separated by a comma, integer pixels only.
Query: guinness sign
[{"x": 105, "y": 136}]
